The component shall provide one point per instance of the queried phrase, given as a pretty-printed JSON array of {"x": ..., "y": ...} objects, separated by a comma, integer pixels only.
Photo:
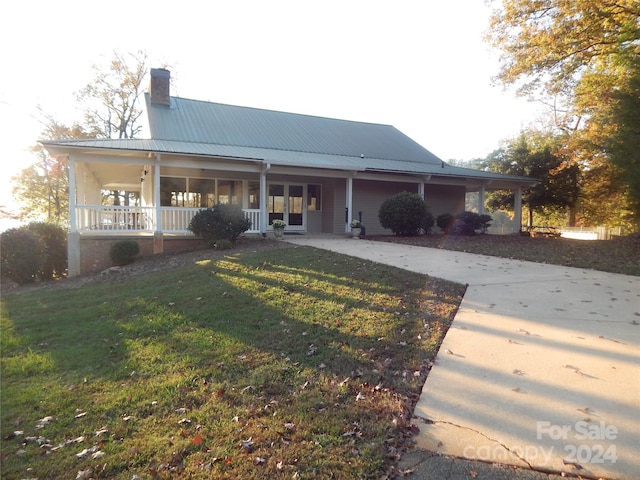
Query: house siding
[
  {"x": 445, "y": 199},
  {"x": 368, "y": 196}
]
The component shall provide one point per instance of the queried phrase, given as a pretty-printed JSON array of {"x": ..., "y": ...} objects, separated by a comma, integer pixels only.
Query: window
[
  {"x": 230, "y": 191},
  {"x": 314, "y": 197},
  {"x": 254, "y": 195},
  {"x": 173, "y": 192},
  {"x": 202, "y": 192}
]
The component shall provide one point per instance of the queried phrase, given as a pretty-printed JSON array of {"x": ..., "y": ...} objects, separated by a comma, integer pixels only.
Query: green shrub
[
  {"x": 225, "y": 221},
  {"x": 55, "y": 248},
  {"x": 21, "y": 254},
  {"x": 485, "y": 222},
  {"x": 465, "y": 223},
  {"x": 428, "y": 222},
  {"x": 124, "y": 252},
  {"x": 405, "y": 214},
  {"x": 445, "y": 222},
  {"x": 223, "y": 244}
]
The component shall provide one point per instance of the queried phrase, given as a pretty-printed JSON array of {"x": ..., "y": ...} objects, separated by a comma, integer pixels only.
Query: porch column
[
  {"x": 349, "y": 204},
  {"x": 263, "y": 199},
  {"x": 73, "y": 238},
  {"x": 481, "y": 199},
  {"x": 158, "y": 237},
  {"x": 73, "y": 224},
  {"x": 517, "y": 211}
]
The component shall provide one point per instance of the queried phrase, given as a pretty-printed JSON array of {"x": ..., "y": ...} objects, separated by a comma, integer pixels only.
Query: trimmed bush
[
  {"x": 222, "y": 222},
  {"x": 55, "y": 251},
  {"x": 405, "y": 214},
  {"x": 465, "y": 223},
  {"x": 21, "y": 254},
  {"x": 445, "y": 222},
  {"x": 124, "y": 252}
]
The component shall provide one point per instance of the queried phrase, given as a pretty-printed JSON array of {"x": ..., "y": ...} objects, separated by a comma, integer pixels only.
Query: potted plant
[
  {"x": 356, "y": 227},
  {"x": 278, "y": 227}
]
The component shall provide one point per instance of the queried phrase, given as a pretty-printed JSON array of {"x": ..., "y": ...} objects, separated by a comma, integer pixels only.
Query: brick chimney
[{"x": 159, "y": 90}]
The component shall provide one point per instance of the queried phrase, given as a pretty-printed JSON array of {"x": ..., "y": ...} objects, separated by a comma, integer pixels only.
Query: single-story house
[{"x": 314, "y": 173}]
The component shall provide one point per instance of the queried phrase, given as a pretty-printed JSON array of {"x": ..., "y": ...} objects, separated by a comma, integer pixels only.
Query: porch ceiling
[{"x": 117, "y": 176}]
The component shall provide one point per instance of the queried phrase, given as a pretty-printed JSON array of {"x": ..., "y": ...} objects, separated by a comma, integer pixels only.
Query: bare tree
[{"x": 114, "y": 97}]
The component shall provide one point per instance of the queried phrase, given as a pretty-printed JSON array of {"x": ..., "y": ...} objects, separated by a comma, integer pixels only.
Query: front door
[{"x": 286, "y": 202}]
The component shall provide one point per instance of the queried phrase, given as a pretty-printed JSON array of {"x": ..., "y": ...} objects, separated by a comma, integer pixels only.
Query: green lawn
[{"x": 292, "y": 363}]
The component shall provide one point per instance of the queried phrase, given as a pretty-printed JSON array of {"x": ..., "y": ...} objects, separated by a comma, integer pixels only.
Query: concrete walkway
[{"x": 540, "y": 368}]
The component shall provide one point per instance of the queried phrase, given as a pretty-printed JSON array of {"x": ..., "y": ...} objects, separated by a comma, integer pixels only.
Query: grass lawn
[
  {"x": 620, "y": 255},
  {"x": 283, "y": 363}
]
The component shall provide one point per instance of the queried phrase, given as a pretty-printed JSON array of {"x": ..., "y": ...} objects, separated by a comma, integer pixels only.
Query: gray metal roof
[
  {"x": 285, "y": 158},
  {"x": 215, "y": 123},
  {"x": 192, "y": 127}
]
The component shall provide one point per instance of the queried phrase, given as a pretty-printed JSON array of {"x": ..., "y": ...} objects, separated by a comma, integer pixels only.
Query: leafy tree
[
  {"x": 43, "y": 187},
  {"x": 582, "y": 58},
  {"x": 536, "y": 158},
  {"x": 553, "y": 44},
  {"x": 113, "y": 110}
]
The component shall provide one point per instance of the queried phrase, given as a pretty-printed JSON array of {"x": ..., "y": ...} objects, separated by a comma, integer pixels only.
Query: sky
[{"x": 419, "y": 65}]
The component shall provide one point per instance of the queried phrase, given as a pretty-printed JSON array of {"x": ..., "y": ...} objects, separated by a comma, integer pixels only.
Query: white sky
[{"x": 419, "y": 65}]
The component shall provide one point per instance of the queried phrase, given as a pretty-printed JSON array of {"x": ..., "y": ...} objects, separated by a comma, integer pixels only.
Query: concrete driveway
[{"x": 540, "y": 368}]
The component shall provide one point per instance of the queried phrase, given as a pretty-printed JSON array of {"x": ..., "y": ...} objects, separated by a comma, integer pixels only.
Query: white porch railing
[
  {"x": 98, "y": 218},
  {"x": 114, "y": 218}
]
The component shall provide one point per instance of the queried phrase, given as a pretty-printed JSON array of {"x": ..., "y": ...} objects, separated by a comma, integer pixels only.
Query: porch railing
[
  {"x": 98, "y": 219},
  {"x": 114, "y": 218}
]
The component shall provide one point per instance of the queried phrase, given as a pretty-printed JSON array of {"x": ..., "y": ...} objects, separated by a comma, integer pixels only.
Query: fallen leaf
[
  {"x": 247, "y": 445},
  {"x": 44, "y": 421},
  {"x": 197, "y": 440},
  {"x": 84, "y": 474}
]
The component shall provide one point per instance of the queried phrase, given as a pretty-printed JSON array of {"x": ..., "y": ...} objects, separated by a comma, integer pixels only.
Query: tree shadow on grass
[{"x": 309, "y": 363}]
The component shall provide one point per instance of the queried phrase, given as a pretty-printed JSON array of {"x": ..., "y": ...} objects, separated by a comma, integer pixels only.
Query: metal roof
[
  {"x": 197, "y": 128},
  {"x": 219, "y": 124}
]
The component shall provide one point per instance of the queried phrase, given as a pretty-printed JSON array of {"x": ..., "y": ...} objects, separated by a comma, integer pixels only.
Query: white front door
[{"x": 287, "y": 202}]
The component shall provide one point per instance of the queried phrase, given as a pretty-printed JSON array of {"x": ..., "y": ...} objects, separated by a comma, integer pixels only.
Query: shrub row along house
[{"x": 314, "y": 173}]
